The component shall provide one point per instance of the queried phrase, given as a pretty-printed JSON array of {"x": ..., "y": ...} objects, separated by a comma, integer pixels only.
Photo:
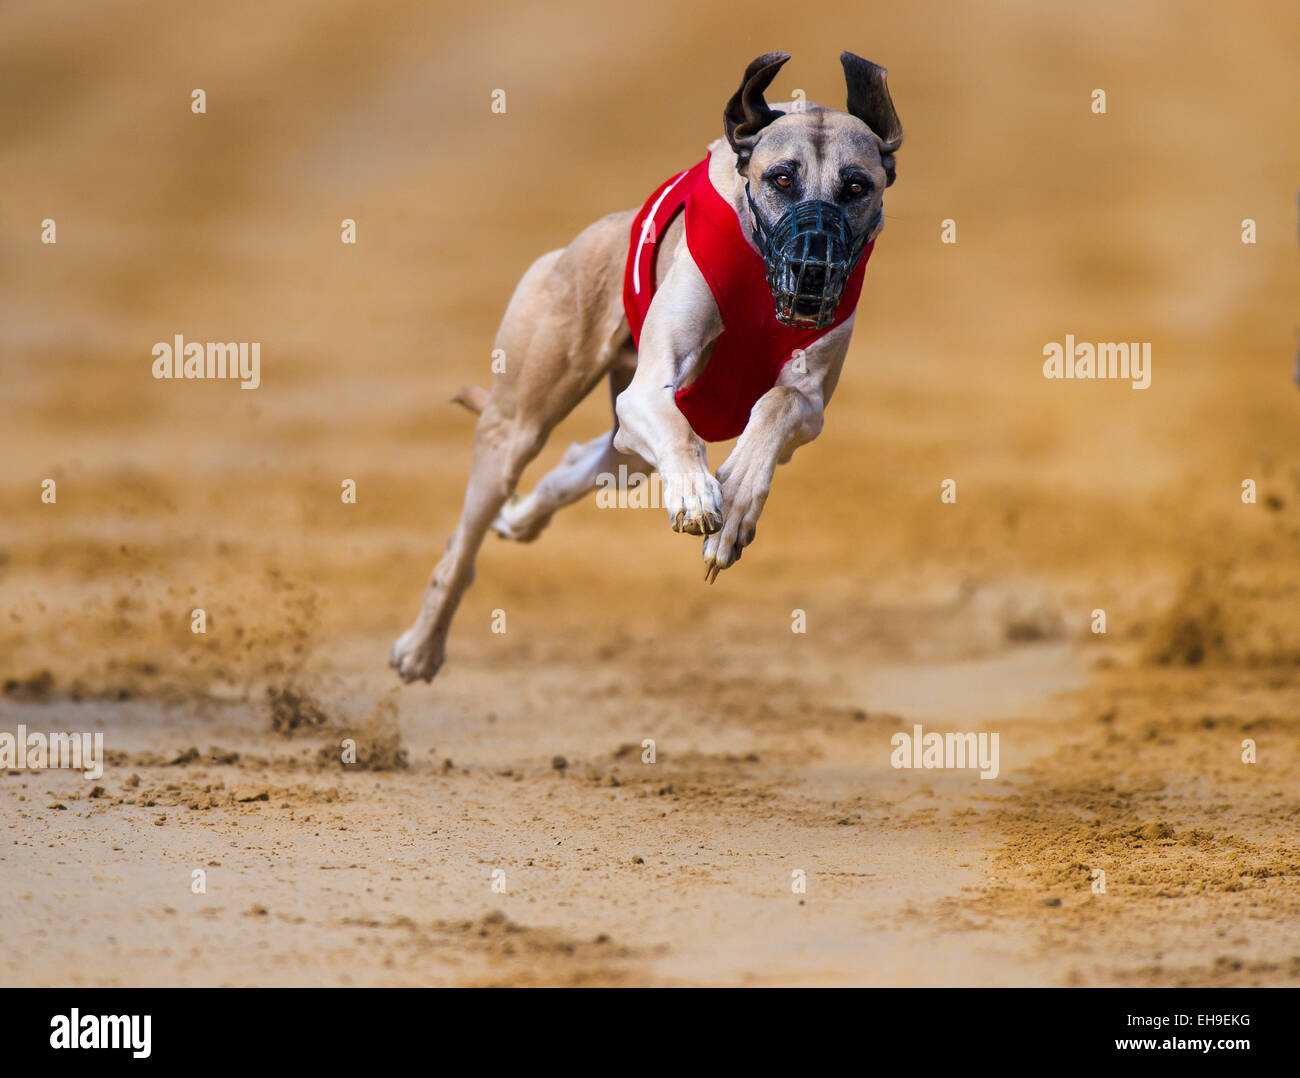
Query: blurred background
[{"x": 226, "y": 226}]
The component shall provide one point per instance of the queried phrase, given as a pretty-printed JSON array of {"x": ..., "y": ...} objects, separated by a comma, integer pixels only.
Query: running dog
[{"x": 722, "y": 309}]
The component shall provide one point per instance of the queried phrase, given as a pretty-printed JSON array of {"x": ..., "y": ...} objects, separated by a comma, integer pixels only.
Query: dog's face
[
  {"x": 815, "y": 181},
  {"x": 819, "y": 154}
]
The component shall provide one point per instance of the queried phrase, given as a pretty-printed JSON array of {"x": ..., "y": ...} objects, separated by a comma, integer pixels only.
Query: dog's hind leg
[
  {"x": 584, "y": 467},
  {"x": 553, "y": 359}
]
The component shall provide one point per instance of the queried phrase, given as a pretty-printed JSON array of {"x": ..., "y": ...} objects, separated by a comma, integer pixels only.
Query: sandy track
[{"x": 619, "y": 872}]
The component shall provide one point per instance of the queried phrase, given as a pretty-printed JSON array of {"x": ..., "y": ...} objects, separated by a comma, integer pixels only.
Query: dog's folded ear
[
  {"x": 747, "y": 113},
  {"x": 870, "y": 102}
]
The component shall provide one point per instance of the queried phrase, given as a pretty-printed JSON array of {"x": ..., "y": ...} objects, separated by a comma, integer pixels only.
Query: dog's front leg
[
  {"x": 682, "y": 321},
  {"x": 788, "y": 415}
]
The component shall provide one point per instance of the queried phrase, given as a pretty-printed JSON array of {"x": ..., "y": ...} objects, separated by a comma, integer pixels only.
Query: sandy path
[{"x": 385, "y": 877}]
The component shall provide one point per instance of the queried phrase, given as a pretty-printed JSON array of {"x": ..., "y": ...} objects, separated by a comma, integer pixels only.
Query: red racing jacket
[{"x": 753, "y": 347}]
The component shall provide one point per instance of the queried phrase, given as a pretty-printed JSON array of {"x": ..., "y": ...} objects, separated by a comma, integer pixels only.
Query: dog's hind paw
[
  {"x": 519, "y": 527},
  {"x": 416, "y": 656}
]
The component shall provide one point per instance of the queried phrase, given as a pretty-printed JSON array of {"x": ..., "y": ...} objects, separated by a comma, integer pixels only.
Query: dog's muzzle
[{"x": 809, "y": 254}]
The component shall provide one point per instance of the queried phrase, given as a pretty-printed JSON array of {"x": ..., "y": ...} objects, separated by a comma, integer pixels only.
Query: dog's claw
[{"x": 706, "y": 525}]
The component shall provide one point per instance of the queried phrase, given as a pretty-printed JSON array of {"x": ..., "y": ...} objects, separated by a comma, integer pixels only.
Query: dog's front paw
[
  {"x": 418, "y": 654},
  {"x": 722, "y": 549},
  {"x": 744, "y": 495},
  {"x": 694, "y": 502}
]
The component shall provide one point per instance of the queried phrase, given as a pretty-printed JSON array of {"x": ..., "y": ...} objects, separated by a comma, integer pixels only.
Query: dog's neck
[{"x": 730, "y": 184}]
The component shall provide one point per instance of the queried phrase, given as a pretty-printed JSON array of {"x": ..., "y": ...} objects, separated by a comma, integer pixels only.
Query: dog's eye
[
  {"x": 782, "y": 180},
  {"x": 856, "y": 188}
]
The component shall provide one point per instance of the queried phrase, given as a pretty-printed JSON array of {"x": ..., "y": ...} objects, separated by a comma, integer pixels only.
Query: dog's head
[{"x": 815, "y": 181}]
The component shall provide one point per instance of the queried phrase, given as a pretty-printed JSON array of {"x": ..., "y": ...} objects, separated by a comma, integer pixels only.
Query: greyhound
[{"x": 722, "y": 309}]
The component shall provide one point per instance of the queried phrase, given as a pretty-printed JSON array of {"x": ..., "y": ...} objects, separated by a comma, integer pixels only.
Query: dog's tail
[{"x": 474, "y": 398}]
